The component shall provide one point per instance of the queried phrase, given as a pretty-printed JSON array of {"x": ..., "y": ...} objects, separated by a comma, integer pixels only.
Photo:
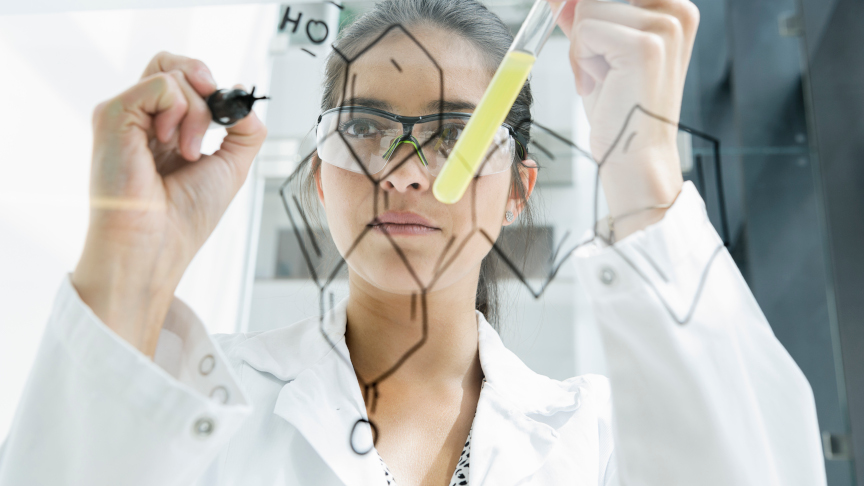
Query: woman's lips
[
  {"x": 404, "y": 229},
  {"x": 403, "y": 223}
]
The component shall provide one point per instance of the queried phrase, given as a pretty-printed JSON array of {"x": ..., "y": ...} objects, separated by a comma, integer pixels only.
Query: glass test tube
[{"x": 473, "y": 144}]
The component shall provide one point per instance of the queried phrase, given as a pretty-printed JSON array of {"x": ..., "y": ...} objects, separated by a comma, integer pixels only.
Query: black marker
[{"x": 230, "y": 106}]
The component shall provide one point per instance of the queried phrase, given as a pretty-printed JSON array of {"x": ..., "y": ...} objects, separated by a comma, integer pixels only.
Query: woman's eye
[
  {"x": 360, "y": 129},
  {"x": 451, "y": 133},
  {"x": 447, "y": 138}
]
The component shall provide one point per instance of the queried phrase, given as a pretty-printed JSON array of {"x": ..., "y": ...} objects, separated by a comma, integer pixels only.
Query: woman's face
[{"x": 396, "y": 75}]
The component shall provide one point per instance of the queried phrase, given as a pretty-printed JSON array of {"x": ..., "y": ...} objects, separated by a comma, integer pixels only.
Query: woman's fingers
[
  {"x": 589, "y": 72},
  {"x": 122, "y": 127},
  {"x": 196, "y": 82},
  {"x": 618, "y": 44},
  {"x": 566, "y": 17},
  {"x": 157, "y": 102},
  {"x": 160, "y": 97},
  {"x": 601, "y": 46},
  {"x": 196, "y": 121},
  {"x": 628, "y": 66},
  {"x": 664, "y": 17},
  {"x": 588, "y": 60},
  {"x": 683, "y": 10},
  {"x": 635, "y": 17},
  {"x": 196, "y": 72},
  {"x": 672, "y": 20}
]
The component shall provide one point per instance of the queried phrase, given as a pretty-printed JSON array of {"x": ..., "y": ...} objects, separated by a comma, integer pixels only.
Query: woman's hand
[
  {"x": 623, "y": 56},
  {"x": 154, "y": 198}
]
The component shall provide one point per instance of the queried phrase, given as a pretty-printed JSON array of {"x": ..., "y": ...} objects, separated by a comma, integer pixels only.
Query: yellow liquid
[{"x": 473, "y": 144}]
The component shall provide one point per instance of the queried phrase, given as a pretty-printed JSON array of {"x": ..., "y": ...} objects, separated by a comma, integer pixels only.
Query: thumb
[
  {"x": 241, "y": 145},
  {"x": 243, "y": 142},
  {"x": 214, "y": 180}
]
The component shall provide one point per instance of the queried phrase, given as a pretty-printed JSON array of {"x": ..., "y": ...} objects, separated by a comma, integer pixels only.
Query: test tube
[{"x": 473, "y": 145}]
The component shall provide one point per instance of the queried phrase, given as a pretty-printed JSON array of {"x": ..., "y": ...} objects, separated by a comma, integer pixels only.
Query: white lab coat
[{"x": 713, "y": 401}]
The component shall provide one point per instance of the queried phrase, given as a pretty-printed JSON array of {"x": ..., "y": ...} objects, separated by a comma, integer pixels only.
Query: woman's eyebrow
[
  {"x": 435, "y": 106},
  {"x": 369, "y": 103},
  {"x": 439, "y": 106}
]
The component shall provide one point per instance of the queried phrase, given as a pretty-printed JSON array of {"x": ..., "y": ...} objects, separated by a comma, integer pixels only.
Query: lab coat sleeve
[
  {"x": 702, "y": 391},
  {"x": 96, "y": 411}
]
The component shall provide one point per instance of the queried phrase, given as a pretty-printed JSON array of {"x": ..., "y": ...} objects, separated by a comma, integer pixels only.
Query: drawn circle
[
  {"x": 220, "y": 393},
  {"x": 205, "y": 367},
  {"x": 358, "y": 435}
]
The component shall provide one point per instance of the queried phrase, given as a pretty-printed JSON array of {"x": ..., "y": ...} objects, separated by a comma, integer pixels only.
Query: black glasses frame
[{"x": 408, "y": 122}]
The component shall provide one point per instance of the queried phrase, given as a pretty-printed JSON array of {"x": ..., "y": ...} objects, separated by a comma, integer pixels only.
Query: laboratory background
[{"x": 776, "y": 85}]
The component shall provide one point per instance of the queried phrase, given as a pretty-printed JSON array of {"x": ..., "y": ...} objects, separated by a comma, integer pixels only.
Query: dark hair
[{"x": 471, "y": 20}]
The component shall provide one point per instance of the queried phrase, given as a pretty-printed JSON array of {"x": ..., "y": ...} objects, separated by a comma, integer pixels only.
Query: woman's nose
[{"x": 406, "y": 175}]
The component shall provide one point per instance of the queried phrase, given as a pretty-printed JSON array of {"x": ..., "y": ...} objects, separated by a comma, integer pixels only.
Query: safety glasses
[{"x": 365, "y": 140}]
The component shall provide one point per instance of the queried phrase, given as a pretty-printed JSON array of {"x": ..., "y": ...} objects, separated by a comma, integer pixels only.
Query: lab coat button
[
  {"x": 204, "y": 426},
  {"x": 607, "y": 276},
  {"x": 220, "y": 394},
  {"x": 205, "y": 367}
]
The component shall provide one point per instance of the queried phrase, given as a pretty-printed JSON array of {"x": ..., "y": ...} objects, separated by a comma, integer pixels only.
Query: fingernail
[{"x": 206, "y": 76}]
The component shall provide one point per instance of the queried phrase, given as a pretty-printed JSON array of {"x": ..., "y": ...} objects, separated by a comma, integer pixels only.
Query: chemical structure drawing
[{"x": 308, "y": 236}]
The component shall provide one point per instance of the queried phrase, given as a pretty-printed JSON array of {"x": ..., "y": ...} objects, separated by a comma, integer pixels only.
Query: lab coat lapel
[
  {"x": 316, "y": 404},
  {"x": 515, "y": 426},
  {"x": 518, "y": 413},
  {"x": 506, "y": 446},
  {"x": 323, "y": 401}
]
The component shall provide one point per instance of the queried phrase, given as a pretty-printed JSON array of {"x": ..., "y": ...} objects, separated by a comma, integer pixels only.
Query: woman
[{"x": 703, "y": 395}]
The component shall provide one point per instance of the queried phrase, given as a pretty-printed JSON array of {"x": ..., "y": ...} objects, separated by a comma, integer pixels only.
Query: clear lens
[{"x": 348, "y": 139}]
